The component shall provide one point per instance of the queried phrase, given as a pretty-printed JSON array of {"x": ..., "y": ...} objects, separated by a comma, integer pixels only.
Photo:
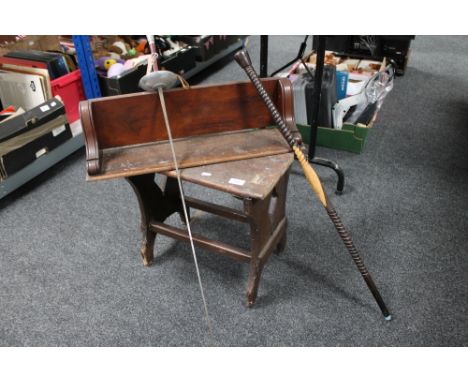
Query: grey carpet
[{"x": 71, "y": 275}]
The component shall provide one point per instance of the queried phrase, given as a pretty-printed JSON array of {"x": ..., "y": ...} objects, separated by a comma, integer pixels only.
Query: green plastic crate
[{"x": 350, "y": 138}]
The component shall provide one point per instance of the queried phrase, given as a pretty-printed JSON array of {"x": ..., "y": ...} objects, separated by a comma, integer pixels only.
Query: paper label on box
[
  {"x": 237, "y": 182},
  {"x": 41, "y": 152},
  {"x": 206, "y": 174},
  {"x": 45, "y": 108},
  {"x": 58, "y": 130}
]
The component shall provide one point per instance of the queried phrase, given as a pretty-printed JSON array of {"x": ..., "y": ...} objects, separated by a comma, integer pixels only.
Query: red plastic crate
[{"x": 70, "y": 89}]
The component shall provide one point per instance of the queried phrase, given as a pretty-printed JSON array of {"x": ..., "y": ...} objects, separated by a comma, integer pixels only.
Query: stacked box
[{"x": 30, "y": 135}]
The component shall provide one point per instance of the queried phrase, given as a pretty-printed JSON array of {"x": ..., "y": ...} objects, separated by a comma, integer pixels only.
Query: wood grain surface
[
  {"x": 249, "y": 178},
  {"x": 137, "y": 118},
  {"x": 126, "y": 135},
  {"x": 191, "y": 152}
]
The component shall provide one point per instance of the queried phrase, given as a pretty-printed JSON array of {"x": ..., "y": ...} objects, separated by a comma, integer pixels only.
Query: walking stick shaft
[{"x": 243, "y": 60}]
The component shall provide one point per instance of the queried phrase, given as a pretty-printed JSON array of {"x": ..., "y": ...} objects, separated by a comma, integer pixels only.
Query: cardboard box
[
  {"x": 350, "y": 138},
  {"x": 10, "y": 43}
]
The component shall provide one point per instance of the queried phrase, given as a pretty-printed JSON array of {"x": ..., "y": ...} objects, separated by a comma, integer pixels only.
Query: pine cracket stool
[
  {"x": 222, "y": 142},
  {"x": 261, "y": 184}
]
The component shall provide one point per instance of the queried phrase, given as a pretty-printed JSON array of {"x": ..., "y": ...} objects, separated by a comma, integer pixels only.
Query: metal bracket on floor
[{"x": 339, "y": 172}]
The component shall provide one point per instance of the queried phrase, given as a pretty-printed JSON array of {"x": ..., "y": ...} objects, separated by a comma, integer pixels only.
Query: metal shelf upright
[{"x": 84, "y": 54}]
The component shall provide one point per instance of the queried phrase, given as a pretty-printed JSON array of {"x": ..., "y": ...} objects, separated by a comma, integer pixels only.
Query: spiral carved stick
[{"x": 243, "y": 60}]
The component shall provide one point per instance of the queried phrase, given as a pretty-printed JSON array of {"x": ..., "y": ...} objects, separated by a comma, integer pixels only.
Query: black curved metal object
[{"x": 335, "y": 167}]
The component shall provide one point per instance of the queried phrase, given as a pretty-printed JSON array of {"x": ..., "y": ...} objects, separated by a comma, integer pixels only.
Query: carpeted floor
[{"x": 71, "y": 275}]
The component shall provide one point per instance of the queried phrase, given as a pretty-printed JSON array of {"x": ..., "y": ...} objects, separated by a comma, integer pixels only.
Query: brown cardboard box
[{"x": 9, "y": 43}]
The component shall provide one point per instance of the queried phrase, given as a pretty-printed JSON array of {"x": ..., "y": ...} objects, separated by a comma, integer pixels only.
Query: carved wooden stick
[{"x": 243, "y": 59}]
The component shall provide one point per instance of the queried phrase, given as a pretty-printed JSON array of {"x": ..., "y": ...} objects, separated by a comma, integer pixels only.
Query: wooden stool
[
  {"x": 260, "y": 182},
  {"x": 226, "y": 128}
]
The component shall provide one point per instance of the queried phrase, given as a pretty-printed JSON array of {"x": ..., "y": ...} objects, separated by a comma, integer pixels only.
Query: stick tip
[{"x": 388, "y": 318}]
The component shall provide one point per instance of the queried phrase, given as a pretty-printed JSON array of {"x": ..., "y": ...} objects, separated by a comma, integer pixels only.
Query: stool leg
[
  {"x": 147, "y": 246},
  {"x": 282, "y": 243},
  {"x": 171, "y": 192},
  {"x": 279, "y": 192},
  {"x": 153, "y": 207},
  {"x": 253, "y": 282},
  {"x": 260, "y": 231}
]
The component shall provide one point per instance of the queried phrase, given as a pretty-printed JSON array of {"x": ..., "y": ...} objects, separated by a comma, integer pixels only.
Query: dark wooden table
[
  {"x": 261, "y": 184},
  {"x": 222, "y": 130}
]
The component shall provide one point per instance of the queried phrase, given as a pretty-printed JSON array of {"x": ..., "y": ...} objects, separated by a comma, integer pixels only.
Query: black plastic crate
[
  {"x": 124, "y": 84},
  {"x": 224, "y": 41},
  {"x": 205, "y": 45},
  {"x": 397, "y": 48},
  {"x": 179, "y": 62}
]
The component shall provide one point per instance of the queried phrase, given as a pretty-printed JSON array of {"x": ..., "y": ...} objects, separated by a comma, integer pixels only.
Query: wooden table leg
[
  {"x": 171, "y": 192},
  {"x": 154, "y": 206},
  {"x": 260, "y": 231},
  {"x": 279, "y": 212},
  {"x": 268, "y": 231}
]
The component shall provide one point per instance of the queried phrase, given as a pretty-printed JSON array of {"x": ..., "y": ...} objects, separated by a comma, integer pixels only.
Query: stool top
[{"x": 249, "y": 178}]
